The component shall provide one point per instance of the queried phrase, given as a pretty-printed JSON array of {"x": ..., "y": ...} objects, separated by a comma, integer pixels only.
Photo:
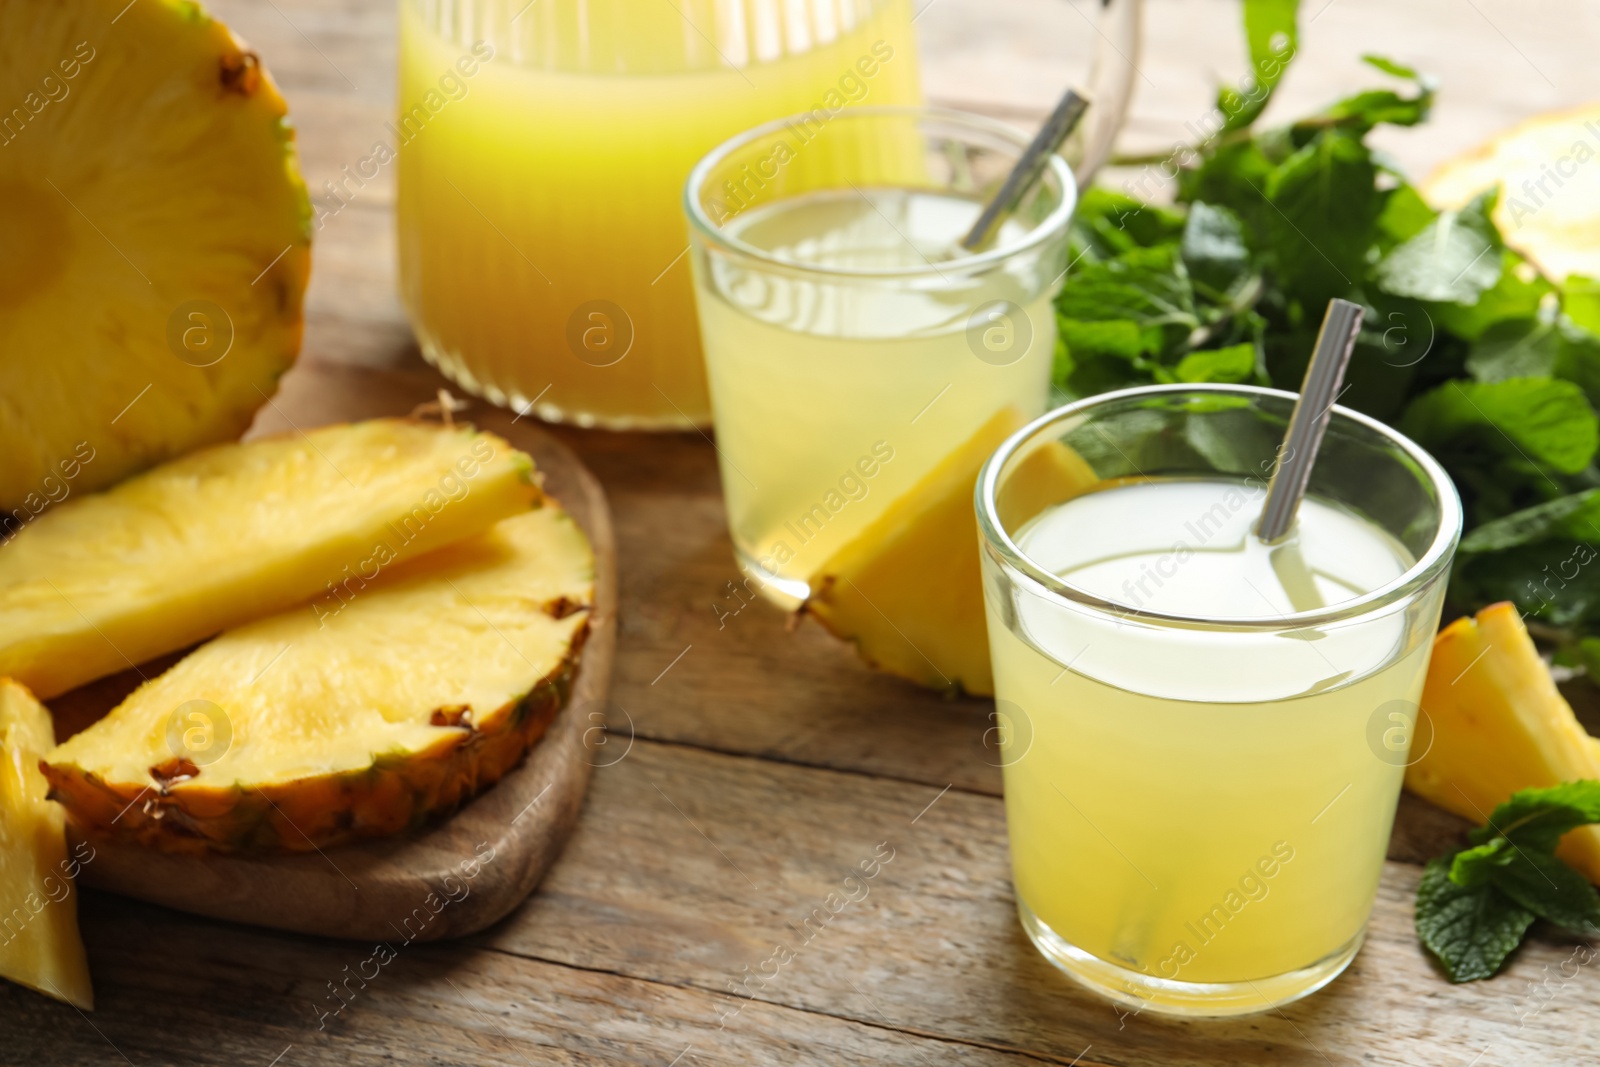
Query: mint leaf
[
  {"x": 1118, "y": 338},
  {"x": 1581, "y": 302},
  {"x": 1541, "y": 420},
  {"x": 1454, "y": 259},
  {"x": 1236, "y": 363},
  {"x": 1576, "y": 517},
  {"x": 1544, "y": 885},
  {"x": 1537, "y": 818},
  {"x": 1213, "y": 248},
  {"x": 1512, "y": 297},
  {"x": 1515, "y": 348},
  {"x": 1327, "y": 204},
  {"x": 1107, "y": 223},
  {"x": 1272, "y": 35},
  {"x": 1471, "y": 930},
  {"x": 1476, "y": 866},
  {"x": 1405, "y": 214},
  {"x": 1549, "y": 580},
  {"x": 1578, "y": 356},
  {"x": 1146, "y": 286},
  {"x": 1391, "y": 66}
]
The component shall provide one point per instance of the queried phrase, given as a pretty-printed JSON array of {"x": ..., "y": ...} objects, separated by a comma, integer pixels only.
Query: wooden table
[{"x": 754, "y": 766}]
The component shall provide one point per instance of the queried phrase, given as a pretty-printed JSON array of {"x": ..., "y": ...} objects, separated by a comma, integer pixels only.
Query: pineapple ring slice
[
  {"x": 298, "y": 732},
  {"x": 154, "y": 242},
  {"x": 237, "y": 531}
]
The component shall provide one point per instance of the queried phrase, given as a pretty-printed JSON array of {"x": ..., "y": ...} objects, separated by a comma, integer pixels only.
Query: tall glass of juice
[
  {"x": 1199, "y": 757},
  {"x": 851, "y": 347},
  {"x": 542, "y": 152}
]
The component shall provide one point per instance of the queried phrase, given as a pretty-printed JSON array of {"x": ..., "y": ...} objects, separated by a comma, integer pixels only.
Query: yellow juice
[
  {"x": 541, "y": 233},
  {"x": 1194, "y": 806},
  {"x": 834, "y": 399}
]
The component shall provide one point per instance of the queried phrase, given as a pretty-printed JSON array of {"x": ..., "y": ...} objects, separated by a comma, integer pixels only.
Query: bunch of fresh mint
[
  {"x": 1467, "y": 348},
  {"x": 1475, "y": 905}
]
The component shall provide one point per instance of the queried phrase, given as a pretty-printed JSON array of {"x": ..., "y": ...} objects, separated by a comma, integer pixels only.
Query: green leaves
[
  {"x": 1214, "y": 249},
  {"x": 1325, "y": 202},
  {"x": 1536, "y": 818},
  {"x": 1542, "y": 420},
  {"x": 1471, "y": 930},
  {"x": 1474, "y": 906},
  {"x": 1236, "y": 363},
  {"x": 1575, "y": 517},
  {"x": 1467, "y": 347},
  {"x": 1454, "y": 259},
  {"x": 1272, "y": 35}
]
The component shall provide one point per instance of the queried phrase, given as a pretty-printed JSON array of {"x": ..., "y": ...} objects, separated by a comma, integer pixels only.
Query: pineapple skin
[
  {"x": 393, "y": 795},
  {"x": 427, "y": 689}
]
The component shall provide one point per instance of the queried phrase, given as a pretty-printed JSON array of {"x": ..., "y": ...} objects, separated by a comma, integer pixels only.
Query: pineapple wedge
[
  {"x": 39, "y": 943},
  {"x": 235, "y": 532},
  {"x": 908, "y": 590},
  {"x": 287, "y": 734},
  {"x": 155, "y": 242},
  {"x": 1500, "y": 725}
]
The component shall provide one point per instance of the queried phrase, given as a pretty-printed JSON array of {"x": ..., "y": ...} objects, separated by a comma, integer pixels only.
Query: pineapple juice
[
  {"x": 1175, "y": 809},
  {"x": 832, "y": 400},
  {"x": 541, "y": 236}
]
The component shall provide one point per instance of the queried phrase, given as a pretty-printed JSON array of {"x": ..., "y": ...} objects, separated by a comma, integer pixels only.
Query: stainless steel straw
[
  {"x": 1028, "y": 170},
  {"x": 1309, "y": 422}
]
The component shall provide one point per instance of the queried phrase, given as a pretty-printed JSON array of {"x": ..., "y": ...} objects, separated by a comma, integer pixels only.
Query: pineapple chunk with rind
[
  {"x": 1499, "y": 724},
  {"x": 908, "y": 589},
  {"x": 39, "y": 943},
  {"x": 426, "y": 688},
  {"x": 234, "y": 532}
]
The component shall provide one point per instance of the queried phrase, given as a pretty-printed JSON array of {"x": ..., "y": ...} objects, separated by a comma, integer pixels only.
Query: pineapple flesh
[
  {"x": 908, "y": 590},
  {"x": 39, "y": 943},
  {"x": 295, "y": 732},
  {"x": 1499, "y": 724},
  {"x": 154, "y": 242},
  {"x": 235, "y": 532}
]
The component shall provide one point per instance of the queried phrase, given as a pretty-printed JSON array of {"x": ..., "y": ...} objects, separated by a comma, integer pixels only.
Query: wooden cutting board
[{"x": 464, "y": 873}]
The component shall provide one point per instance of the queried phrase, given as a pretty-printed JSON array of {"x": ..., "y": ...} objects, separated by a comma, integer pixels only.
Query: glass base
[
  {"x": 1164, "y": 996},
  {"x": 456, "y": 370},
  {"x": 787, "y": 593}
]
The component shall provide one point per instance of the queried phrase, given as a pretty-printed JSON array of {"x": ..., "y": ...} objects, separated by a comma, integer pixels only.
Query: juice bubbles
[
  {"x": 850, "y": 349},
  {"x": 1199, "y": 782},
  {"x": 541, "y": 236}
]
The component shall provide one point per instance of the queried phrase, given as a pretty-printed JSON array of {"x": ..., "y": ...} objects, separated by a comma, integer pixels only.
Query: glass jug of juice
[{"x": 543, "y": 149}]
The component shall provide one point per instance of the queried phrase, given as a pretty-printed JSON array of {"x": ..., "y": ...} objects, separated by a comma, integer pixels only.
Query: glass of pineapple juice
[
  {"x": 1197, "y": 729},
  {"x": 849, "y": 346},
  {"x": 542, "y": 150}
]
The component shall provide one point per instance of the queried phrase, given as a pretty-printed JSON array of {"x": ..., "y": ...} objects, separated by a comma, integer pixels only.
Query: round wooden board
[{"x": 469, "y": 870}]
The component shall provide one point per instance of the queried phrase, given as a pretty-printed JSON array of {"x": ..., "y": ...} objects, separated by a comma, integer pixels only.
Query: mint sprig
[
  {"x": 1467, "y": 347},
  {"x": 1475, "y": 905}
]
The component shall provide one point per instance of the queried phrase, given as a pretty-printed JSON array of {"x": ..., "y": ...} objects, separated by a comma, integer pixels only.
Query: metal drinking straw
[
  {"x": 1309, "y": 422},
  {"x": 1028, "y": 170}
]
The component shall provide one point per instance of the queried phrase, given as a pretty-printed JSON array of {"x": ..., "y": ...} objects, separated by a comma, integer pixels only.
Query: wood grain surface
[
  {"x": 749, "y": 766},
  {"x": 456, "y": 877}
]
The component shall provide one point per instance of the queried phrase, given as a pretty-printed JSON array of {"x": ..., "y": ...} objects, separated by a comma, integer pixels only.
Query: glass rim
[
  {"x": 1055, "y": 222},
  {"x": 1421, "y": 572}
]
